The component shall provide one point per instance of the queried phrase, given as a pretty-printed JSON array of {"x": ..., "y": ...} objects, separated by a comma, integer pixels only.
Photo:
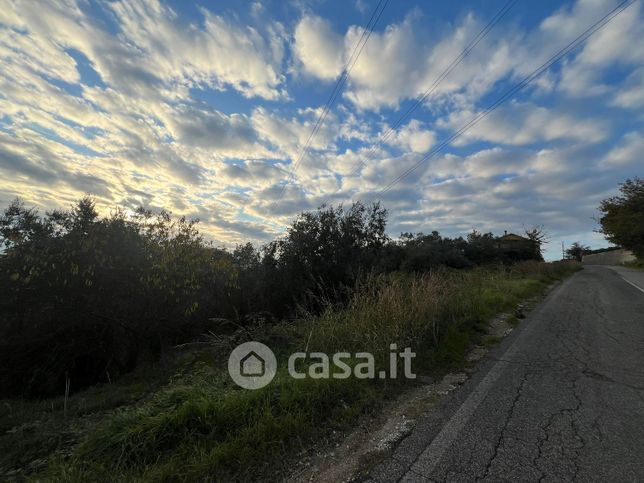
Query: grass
[
  {"x": 188, "y": 433},
  {"x": 200, "y": 426},
  {"x": 637, "y": 264}
]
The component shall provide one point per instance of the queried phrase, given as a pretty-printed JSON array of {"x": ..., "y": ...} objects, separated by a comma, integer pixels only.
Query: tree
[
  {"x": 622, "y": 220},
  {"x": 324, "y": 252},
  {"x": 482, "y": 248},
  {"x": 424, "y": 252},
  {"x": 576, "y": 251},
  {"x": 539, "y": 237}
]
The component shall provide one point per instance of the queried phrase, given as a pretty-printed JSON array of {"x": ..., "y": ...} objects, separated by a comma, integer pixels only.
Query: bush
[{"x": 87, "y": 298}]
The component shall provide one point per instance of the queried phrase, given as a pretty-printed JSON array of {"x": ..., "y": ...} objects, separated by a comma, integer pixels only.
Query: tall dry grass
[
  {"x": 385, "y": 309},
  {"x": 418, "y": 310}
]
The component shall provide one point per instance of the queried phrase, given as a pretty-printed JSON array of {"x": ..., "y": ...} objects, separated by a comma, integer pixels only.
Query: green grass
[
  {"x": 200, "y": 426},
  {"x": 189, "y": 432}
]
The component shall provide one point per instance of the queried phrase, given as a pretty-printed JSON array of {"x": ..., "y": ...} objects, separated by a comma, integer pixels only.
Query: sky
[{"x": 204, "y": 108}]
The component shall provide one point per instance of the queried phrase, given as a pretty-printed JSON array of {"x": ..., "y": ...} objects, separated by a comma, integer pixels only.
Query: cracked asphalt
[{"x": 560, "y": 399}]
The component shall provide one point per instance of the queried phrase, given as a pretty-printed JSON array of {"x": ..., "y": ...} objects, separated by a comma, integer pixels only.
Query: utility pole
[{"x": 563, "y": 252}]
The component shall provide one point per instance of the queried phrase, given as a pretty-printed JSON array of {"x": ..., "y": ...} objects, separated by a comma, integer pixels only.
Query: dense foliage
[
  {"x": 622, "y": 220},
  {"x": 322, "y": 253},
  {"x": 87, "y": 298}
]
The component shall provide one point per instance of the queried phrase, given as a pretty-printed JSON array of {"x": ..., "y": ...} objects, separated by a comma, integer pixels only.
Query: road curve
[{"x": 561, "y": 399}]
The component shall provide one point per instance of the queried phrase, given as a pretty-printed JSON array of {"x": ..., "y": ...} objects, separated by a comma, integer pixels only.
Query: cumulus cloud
[
  {"x": 614, "y": 44},
  {"x": 525, "y": 123},
  {"x": 372, "y": 85},
  {"x": 405, "y": 59},
  {"x": 206, "y": 113},
  {"x": 20, "y": 159},
  {"x": 415, "y": 57},
  {"x": 318, "y": 48},
  {"x": 250, "y": 174},
  {"x": 289, "y": 135},
  {"x": 496, "y": 161},
  {"x": 136, "y": 132},
  {"x": 154, "y": 49},
  {"x": 413, "y": 137}
]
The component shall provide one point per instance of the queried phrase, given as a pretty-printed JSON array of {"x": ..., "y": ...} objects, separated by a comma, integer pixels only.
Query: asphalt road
[{"x": 561, "y": 399}]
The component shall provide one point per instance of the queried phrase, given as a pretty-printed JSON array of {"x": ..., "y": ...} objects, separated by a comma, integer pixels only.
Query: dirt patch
[{"x": 373, "y": 439}]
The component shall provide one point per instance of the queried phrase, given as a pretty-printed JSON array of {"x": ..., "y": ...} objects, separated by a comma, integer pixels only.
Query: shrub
[{"x": 85, "y": 298}]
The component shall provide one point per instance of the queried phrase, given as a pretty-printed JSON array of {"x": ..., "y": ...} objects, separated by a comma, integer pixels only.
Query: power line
[
  {"x": 430, "y": 90},
  {"x": 353, "y": 58},
  {"x": 366, "y": 34},
  {"x": 511, "y": 92},
  {"x": 473, "y": 43}
]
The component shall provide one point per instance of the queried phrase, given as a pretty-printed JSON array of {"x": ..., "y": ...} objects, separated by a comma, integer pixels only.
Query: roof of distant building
[{"x": 512, "y": 237}]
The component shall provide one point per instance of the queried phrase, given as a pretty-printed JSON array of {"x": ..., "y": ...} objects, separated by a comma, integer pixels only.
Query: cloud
[
  {"x": 371, "y": 85},
  {"x": 318, "y": 48},
  {"x": 215, "y": 53},
  {"x": 288, "y": 136},
  {"x": 414, "y": 58},
  {"x": 205, "y": 112},
  {"x": 250, "y": 174},
  {"x": 413, "y": 137},
  {"x": 628, "y": 152},
  {"x": 13, "y": 162},
  {"x": 139, "y": 120},
  {"x": 525, "y": 123},
  {"x": 205, "y": 127},
  {"x": 241, "y": 230},
  {"x": 615, "y": 44},
  {"x": 631, "y": 93},
  {"x": 494, "y": 162},
  {"x": 155, "y": 50}
]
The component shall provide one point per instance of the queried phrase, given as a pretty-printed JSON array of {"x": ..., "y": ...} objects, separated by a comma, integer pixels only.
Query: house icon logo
[{"x": 252, "y": 365}]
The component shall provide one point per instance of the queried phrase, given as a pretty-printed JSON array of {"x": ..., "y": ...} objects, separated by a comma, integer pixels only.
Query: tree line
[{"x": 88, "y": 298}]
